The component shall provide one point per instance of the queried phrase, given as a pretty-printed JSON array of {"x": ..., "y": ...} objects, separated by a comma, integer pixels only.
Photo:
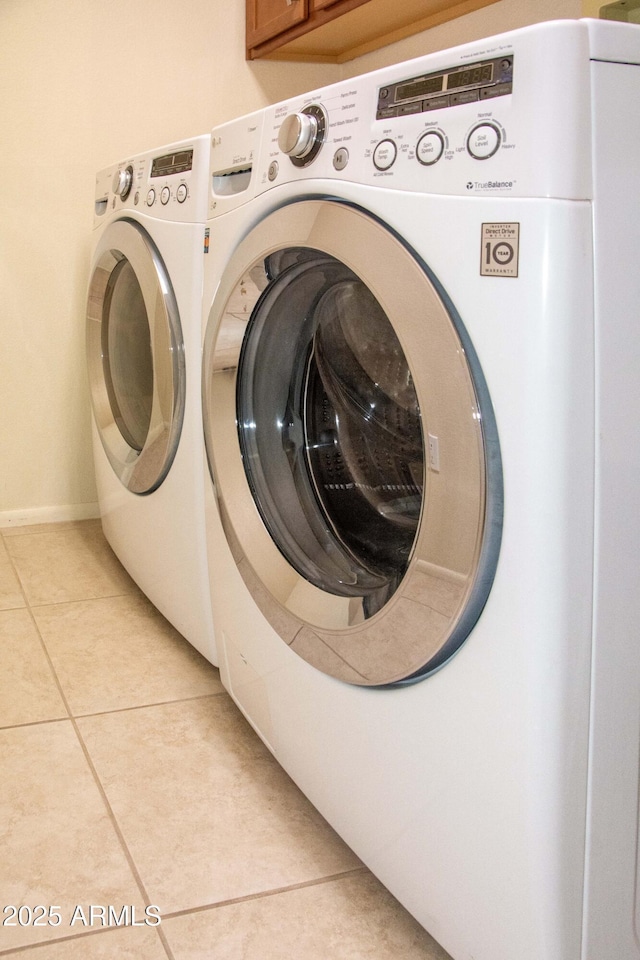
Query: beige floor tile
[
  {"x": 220, "y": 819},
  {"x": 132, "y": 943},
  {"x": 353, "y": 918},
  {"x": 58, "y": 844},
  {"x": 28, "y": 691},
  {"x": 120, "y": 652},
  {"x": 67, "y": 562}
]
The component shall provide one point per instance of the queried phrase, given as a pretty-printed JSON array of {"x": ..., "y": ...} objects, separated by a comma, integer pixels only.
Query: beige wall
[{"x": 82, "y": 84}]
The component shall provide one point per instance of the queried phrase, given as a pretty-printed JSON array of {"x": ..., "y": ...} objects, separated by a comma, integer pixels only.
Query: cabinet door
[{"x": 268, "y": 18}]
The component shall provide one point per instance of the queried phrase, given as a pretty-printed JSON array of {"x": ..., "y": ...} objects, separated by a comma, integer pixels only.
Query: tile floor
[{"x": 129, "y": 780}]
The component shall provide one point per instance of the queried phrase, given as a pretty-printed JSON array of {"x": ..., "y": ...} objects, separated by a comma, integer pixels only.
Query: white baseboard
[{"x": 31, "y": 515}]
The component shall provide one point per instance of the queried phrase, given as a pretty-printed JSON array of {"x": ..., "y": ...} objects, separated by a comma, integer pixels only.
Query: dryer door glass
[
  {"x": 128, "y": 363},
  {"x": 352, "y": 443},
  {"x": 135, "y": 357}
]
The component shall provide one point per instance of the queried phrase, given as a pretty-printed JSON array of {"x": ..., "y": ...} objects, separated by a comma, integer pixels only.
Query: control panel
[
  {"x": 345, "y": 132},
  {"x": 169, "y": 184},
  {"x": 495, "y": 117},
  {"x": 423, "y": 129}
]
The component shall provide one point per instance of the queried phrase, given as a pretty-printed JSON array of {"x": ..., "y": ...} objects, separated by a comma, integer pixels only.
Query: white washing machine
[
  {"x": 143, "y": 352},
  {"x": 421, "y": 359}
]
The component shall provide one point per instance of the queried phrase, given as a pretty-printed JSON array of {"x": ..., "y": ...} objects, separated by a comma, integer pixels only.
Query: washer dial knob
[
  {"x": 297, "y": 134},
  {"x": 122, "y": 181},
  {"x": 483, "y": 141},
  {"x": 430, "y": 148},
  {"x": 301, "y": 135}
]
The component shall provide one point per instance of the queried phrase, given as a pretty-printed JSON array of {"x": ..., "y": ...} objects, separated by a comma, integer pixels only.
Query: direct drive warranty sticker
[{"x": 499, "y": 249}]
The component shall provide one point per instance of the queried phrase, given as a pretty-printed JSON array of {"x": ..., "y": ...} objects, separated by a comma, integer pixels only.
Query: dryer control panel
[{"x": 168, "y": 183}]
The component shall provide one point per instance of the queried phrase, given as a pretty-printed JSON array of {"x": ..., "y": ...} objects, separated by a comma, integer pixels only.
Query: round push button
[
  {"x": 151, "y": 197},
  {"x": 181, "y": 193},
  {"x": 340, "y": 158},
  {"x": 384, "y": 155},
  {"x": 164, "y": 196},
  {"x": 483, "y": 141},
  {"x": 430, "y": 148},
  {"x": 273, "y": 171}
]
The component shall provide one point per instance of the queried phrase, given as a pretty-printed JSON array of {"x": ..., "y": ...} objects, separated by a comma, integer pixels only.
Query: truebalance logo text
[{"x": 490, "y": 185}]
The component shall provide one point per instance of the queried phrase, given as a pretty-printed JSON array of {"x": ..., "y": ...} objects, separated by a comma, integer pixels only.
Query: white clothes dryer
[
  {"x": 143, "y": 351},
  {"x": 421, "y": 428}
]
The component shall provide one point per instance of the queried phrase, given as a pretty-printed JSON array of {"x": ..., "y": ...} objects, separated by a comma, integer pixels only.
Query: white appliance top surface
[{"x": 614, "y": 41}]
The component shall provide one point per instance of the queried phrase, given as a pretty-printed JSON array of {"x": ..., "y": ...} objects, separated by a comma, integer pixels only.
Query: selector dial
[
  {"x": 430, "y": 148},
  {"x": 483, "y": 141},
  {"x": 122, "y": 182},
  {"x": 297, "y": 134},
  {"x": 301, "y": 135}
]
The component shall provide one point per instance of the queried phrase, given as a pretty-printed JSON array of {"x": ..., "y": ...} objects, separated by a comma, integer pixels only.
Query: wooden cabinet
[
  {"x": 267, "y": 19},
  {"x": 332, "y": 31}
]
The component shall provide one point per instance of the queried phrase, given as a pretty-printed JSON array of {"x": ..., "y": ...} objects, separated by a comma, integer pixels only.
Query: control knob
[
  {"x": 297, "y": 134},
  {"x": 122, "y": 181},
  {"x": 301, "y": 135}
]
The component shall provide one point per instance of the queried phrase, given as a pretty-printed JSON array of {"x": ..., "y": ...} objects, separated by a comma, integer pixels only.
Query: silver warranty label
[{"x": 499, "y": 251}]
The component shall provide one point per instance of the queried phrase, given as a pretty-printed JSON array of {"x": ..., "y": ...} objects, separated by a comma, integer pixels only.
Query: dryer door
[
  {"x": 353, "y": 445},
  {"x": 135, "y": 356}
]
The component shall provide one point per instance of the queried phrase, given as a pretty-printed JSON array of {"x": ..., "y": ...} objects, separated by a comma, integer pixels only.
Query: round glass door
[
  {"x": 135, "y": 357},
  {"x": 330, "y": 429},
  {"x": 352, "y": 445}
]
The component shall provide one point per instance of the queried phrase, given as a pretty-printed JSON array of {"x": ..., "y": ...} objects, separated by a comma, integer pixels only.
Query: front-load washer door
[
  {"x": 135, "y": 356},
  {"x": 352, "y": 444}
]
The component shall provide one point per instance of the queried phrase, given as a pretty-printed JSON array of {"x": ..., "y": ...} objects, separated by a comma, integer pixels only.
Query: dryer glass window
[
  {"x": 128, "y": 361},
  {"x": 330, "y": 429},
  {"x": 135, "y": 357}
]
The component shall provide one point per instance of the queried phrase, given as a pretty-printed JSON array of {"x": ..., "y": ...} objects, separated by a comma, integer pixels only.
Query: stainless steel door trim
[
  {"x": 140, "y": 470},
  {"x": 453, "y": 561}
]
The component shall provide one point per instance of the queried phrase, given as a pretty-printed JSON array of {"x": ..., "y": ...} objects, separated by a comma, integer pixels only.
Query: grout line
[
  {"x": 165, "y": 943},
  {"x": 17, "y": 576},
  {"x": 38, "y": 604},
  {"x": 71, "y": 939},
  {"x": 33, "y": 723},
  {"x": 153, "y": 703},
  {"x": 112, "y": 816},
  {"x": 265, "y": 894}
]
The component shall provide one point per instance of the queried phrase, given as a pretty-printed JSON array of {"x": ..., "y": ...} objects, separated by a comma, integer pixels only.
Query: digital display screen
[
  {"x": 479, "y": 81},
  {"x": 419, "y": 88},
  {"x": 172, "y": 163},
  {"x": 466, "y": 78}
]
